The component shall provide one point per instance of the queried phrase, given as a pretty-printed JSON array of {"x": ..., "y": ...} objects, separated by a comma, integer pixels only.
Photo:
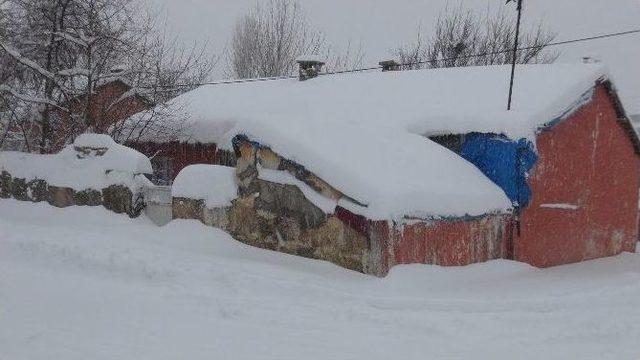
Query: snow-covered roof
[
  {"x": 454, "y": 100},
  {"x": 311, "y": 58},
  {"x": 363, "y": 132}
]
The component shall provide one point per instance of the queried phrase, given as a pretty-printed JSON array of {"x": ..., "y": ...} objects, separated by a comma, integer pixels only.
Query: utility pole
[{"x": 515, "y": 51}]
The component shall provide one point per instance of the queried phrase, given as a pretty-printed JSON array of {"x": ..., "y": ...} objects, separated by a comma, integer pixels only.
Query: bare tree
[
  {"x": 29, "y": 41},
  {"x": 268, "y": 39},
  {"x": 61, "y": 51},
  {"x": 462, "y": 38},
  {"x": 350, "y": 58},
  {"x": 161, "y": 69}
]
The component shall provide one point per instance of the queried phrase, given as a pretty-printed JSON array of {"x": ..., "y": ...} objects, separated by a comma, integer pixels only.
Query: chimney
[
  {"x": 389, "y": 65},
  {"x": 591, "y": 59},
  {"x": 310, "y": 67}
]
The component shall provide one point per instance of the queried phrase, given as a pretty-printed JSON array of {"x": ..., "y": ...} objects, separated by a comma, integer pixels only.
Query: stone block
[
  {"x": 19, "y": 190},
  {"x": 289, "y": 201},
  {"x": 5, "y": 185},
  {"x": 217, "y": 217},
  {"x": 119, "y": 199},
  {"x": 38, "y": 190},
  {"x": 88, "y": 197},
  {"x": 184, "y": 208},
  {"x": 60, "y": 196}
]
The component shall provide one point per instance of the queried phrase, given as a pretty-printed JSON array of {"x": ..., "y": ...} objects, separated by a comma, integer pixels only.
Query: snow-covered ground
[{"x": 82, "y": 283}]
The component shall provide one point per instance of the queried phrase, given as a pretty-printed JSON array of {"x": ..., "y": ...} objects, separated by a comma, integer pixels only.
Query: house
[
  {"x": 113, "y": 100},
  {"x": 370, "y": 170}
]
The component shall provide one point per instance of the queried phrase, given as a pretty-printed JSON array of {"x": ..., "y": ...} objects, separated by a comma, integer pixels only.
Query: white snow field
[{"x": 82, "y": 283}]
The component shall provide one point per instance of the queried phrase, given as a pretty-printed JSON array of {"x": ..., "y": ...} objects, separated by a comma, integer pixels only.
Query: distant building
[
  {"x": 113, "y": 100},
  {"x": 347, "y": 168}
]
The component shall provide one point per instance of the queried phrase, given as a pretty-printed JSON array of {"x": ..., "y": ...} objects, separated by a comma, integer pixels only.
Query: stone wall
[
  {"x": 279, "y": 217},
  {"x": 117, "y": 198}
]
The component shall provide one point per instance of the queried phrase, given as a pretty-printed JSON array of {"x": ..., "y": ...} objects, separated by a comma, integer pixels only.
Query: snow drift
[{"x": 212, "y": 183}]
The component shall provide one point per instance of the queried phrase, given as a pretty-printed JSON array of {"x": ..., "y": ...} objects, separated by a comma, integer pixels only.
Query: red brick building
[{"x": 112, "y": 102}]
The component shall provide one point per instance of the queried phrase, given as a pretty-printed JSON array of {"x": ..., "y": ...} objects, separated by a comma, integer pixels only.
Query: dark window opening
[{"x": 452, "y": 142}]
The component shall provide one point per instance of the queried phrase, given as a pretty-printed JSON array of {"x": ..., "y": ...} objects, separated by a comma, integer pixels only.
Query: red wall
[
  {"x": 445, "y": 243},
  {"x": 182, "y": 154},
  {"x": 587, "y": 160}
]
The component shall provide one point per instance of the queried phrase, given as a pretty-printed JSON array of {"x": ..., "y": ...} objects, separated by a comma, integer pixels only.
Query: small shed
[{"x": 387, "y": 149}]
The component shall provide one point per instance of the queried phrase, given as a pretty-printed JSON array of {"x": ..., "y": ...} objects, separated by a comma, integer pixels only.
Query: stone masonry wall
[
  {"x": 279, "y": 217},
  {"x": 117, "y": 198}
]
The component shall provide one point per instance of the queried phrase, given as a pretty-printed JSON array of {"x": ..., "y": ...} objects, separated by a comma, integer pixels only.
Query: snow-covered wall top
[
  {"x": 212, "y": 183},
  {"x": 80, "y": 166}
]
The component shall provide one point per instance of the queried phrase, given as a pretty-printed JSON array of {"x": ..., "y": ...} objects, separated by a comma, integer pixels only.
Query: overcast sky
[{"x": 381, "y": 25}]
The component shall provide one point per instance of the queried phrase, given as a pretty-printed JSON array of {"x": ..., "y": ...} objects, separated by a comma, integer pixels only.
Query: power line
[
  {"x": 415, "y": 63},
  {"x": 223, "y": 82},
  {"x": 499, "y": 52}
]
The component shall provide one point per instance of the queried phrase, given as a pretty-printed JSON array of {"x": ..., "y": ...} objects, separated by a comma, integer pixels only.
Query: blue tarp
[{"x": 504, "y": 161}]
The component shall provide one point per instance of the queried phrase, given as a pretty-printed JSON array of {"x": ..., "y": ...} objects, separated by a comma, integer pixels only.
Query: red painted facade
[
  {"x": 453, "y": 243},
  {"x": 107, "y": 106},
  {"x": 585, "y": 199},
  {"x": 588, "y": 161},
  {"x": 182, "y": 155},
  {"x": 445, "y": 243}
]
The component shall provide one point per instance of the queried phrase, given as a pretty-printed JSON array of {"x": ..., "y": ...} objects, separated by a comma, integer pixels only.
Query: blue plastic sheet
[{"x": 504, "y": 161}]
